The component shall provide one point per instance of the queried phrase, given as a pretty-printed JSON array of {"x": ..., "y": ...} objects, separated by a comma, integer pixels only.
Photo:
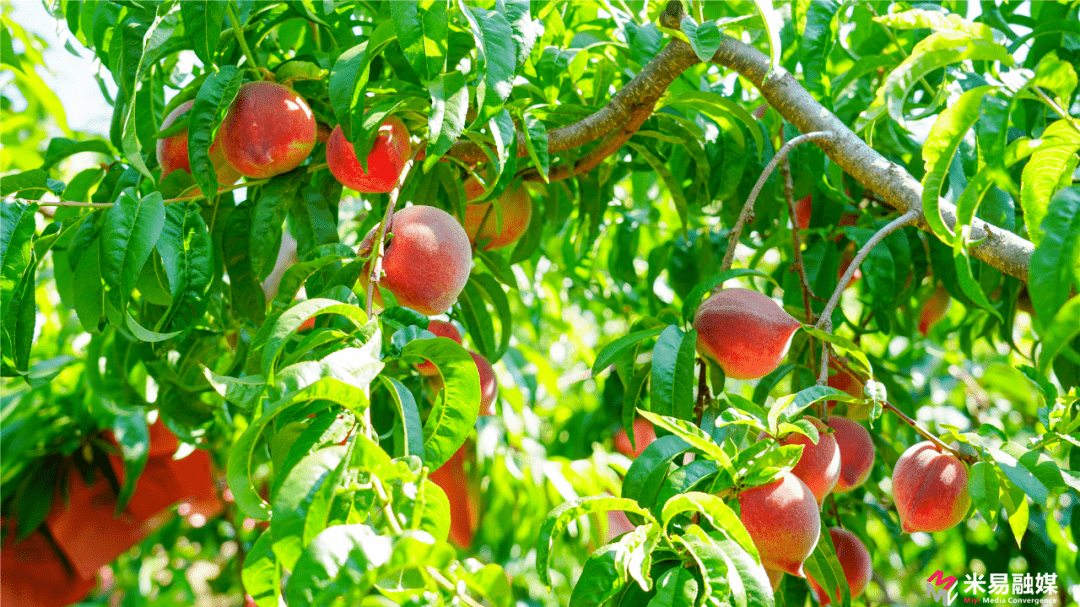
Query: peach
[
  {"x": 440, "y": 328},
  {"x": 464, "y": 516},
  {"x": 268, "y": 130},
  {"x": 481, "y": 221},
  {"x": 803, "y": 208},
  {"x": 618, "y": 524},
  {"x": 775, "y": 577},
  {"x": 427, "y": 262},
  {"x": 934, "y": 309},
  {"x": 172, "y": 152},
  {"x": 744, "y": 332},
  {"x": 489, "y": 385},
  {"x": 644, "y": 434},
  {"x": 385, "y": 161},
  {"x": 854, "y": 559},
  {"x": 783, "y": 521},
  {"x": 930, "y": 488},
  {"x": 819, "y": 466},
  {"x": 856, "y": 453}
]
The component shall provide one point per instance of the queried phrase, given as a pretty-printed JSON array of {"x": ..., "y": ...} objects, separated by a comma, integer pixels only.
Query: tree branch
[
  {"x": 1001, "y": 249},
  {"x": 995, "y": 246},
  {"x": 641, "y": 92},
  {"x": 748, "y": 208}
]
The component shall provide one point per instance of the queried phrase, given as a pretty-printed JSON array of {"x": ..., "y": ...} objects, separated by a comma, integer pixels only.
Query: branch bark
[
  {"x": 1001, "y": 249},
  {"x": 997, "y": 247}
]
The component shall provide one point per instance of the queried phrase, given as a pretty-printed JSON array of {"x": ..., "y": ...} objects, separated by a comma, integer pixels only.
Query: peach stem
[
  {"x": 748, "y": 208},
  {"x": 380, "y": 237}
]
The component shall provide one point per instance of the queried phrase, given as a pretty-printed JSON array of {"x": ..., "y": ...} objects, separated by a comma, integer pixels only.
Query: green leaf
[
  {"x": 349, "y": 78},
  {"x": 671, "y": 388},
  {"x": 262, "y": 572},
  {"x": 672, "y": 184},
  {"x": 422, "y": 30},
  {"x": 694, "y": 436},
  {"x": 129, "y": 231},
  {"x": 61, "y": 148},
  {"x": 89, "y": 292},
  {"x": 456, "y": 408},
  {"x": 410, "y": 439},
  {"x": 344, "y": 560},
  {"x": 1033, "y": 472},
  {"x": 496, "y": 58},
  {"x": 817, "y": 43},
  {"x": 523, "y": 28},
  {"x": 826, "y": 570},
  {"x": 300, "y": 498},
  {"x": 609, "y": 353},
  {"x": 16, "y": 259},
  {"x": 773, "y": 26},
  {"x": 944, "y": 138},
  {"x": 933, "y": 55},
  {"x": 143, "y": 334},
  {"x": 675, "y": 588},
  {"x": 287, "y": 324},
  {"x": 1056, "y": 75},
  {"x": 247, "y": 294},
  {"x": 267, "y": 218},
  {"x": 1062, "y": 330},
  {"x": 704, "y": 38},
  {"x": 918, "y": 18},
  {"x": 646, "y": 475},
  {"x": 601, "y": 578},
  {"x": 187, "y": 254},
  {"x": 719, "y": 514},
  {"x": 203, "y": 20},
  {"x": 1043, "y": 173},
  {"x": 1055, "y": 264},
  {"x": 536, "y": 139},
  {"x": 984, "y": 487},
  {"x": 446, "y": 122},
  {"x": 34, "y": 179},
  {"x": 564, "y": 513},
  {"x": 212, "y": 101},
  {"x": 157, "y": 41}
]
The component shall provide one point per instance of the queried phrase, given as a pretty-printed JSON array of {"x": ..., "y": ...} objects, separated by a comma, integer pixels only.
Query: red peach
[
  {"x": 856, "y": 453},
  {"x": 644, "y": 435},
  {"x": 819, "y": 466},
  {"x": 934, "y": 308},
  {"x": 481, "y": 222},
  {"x": 172, "y": 152},
  {"x": 803, "y": 208},
  {"x": 440, "y": 328},
  {"x": 744, "y": 332},
  {"x": 385, "y": 161},
  {"x": 854, "y": 559},
  {"x": 783, "y": 521},
  {"x": 268, "y": 130},
  {"x": 36, "y": 574},
  {"x": 427, "y": 262},
  {"x": 489, "y": 384},
  {"x": 846, "y": 382},
  {"x": 930, "y": 489},
  {"x": 464, "y": 517}
]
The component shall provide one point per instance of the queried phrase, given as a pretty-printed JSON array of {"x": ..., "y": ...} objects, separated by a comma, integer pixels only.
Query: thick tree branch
[
  {"x": 1001, "y": 249},
  {"x": 894, "y": 185},
  {"x": 641, "y": 92}
]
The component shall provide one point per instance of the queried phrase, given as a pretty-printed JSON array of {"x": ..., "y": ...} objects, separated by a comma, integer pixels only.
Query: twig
[
  {"x": 825, "y": 320},
  {"x": 843, "y": 367},
  {"x": 449, "y": 586},
  {"x": 380, "y": 237},
  {"x": 703, "y": 392},
  {"x": 252, "y": 65},
  {"x": 1057, "y": 108},
  {"x": 748, "y": 208},
  {"x": 797, "y": 266}
]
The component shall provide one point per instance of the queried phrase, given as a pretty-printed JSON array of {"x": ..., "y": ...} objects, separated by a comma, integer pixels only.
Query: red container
[{"x": 35, "y": 574}]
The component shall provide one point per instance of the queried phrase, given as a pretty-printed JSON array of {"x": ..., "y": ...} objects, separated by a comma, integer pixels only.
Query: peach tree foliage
[{"x": 152, "y": 300}]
